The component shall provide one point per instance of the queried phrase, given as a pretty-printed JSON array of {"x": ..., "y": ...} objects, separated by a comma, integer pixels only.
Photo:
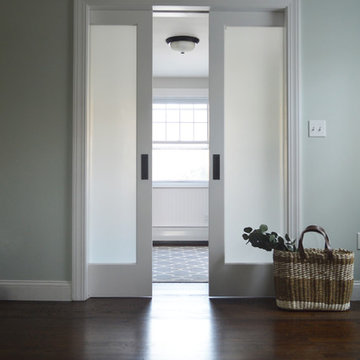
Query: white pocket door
[
  {"x": 120, "y": 103},
  {"x": 247, "y": 146}
]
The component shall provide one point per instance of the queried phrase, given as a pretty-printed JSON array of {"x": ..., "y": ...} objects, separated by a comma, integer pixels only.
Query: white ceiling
[{"x": 167, "y": 62}]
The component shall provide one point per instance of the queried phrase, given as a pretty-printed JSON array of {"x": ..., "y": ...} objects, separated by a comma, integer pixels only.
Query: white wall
[
  {"x": 184, "y": 88},
  {"x": 180, "y": 213},
  {"x": 180, "y": 206}
]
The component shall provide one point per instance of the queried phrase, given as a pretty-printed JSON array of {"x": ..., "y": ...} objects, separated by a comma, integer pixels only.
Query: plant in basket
[{"x": 307, "y": 279}]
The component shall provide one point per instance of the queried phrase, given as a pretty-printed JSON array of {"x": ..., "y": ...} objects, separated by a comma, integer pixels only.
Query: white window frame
[{"x": 180, "y": 183}]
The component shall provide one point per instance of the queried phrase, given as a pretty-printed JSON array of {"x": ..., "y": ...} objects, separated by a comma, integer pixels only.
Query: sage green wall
[
  {"x": 330, "y": 77},
  {"x": 35, "y": 130},
  {"x": 35, "y": 139}
]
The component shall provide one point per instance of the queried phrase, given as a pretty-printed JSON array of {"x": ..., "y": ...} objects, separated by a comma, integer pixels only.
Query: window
[{"x": 180, "y": 142}]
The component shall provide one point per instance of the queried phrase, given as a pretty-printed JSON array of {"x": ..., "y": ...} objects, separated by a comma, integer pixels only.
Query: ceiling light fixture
[{"x": 182, "y": 43}]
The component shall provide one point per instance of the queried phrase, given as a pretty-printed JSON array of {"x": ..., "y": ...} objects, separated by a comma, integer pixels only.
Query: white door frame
[{"x": 80, "y": 177}]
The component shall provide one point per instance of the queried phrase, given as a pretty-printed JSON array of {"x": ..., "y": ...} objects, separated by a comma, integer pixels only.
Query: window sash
[
  {"x": 180, "y": 121},
  {"x": 178, "y": 108}
]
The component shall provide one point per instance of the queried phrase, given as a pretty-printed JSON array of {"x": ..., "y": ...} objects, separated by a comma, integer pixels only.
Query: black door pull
[
  {"x": 144, "y": 167},
  {"x": 216, "y": 166}
]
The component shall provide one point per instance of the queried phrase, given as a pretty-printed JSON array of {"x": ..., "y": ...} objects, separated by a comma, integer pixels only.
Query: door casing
[{"x": 80, "y": 167}]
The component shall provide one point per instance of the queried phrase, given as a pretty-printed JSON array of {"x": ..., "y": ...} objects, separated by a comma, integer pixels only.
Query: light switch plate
[{"x": 317, "y": 128}]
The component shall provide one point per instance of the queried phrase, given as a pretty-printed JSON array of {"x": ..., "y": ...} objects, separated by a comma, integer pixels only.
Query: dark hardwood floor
[{"x": 174, "y": 326}]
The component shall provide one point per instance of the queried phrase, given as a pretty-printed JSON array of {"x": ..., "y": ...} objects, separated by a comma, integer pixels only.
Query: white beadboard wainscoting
[{"x": 180, "y": 213}]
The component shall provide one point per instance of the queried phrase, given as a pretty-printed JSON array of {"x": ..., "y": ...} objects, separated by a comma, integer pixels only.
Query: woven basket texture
[{"x": 316, "y": 282}]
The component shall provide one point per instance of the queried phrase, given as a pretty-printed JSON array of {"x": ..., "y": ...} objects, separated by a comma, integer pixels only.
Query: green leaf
[
  {"x": 290, "y": 247},
  {"x": 268, "y": 241},
  {"x": 263, "y": 228}
]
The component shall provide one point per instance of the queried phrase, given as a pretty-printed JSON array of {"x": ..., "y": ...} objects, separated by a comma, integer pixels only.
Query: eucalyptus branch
[{"x": 268, "y": 241}]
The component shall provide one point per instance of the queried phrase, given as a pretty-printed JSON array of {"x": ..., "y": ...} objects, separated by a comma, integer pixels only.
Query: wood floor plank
[{"x": 174, "y": 327}]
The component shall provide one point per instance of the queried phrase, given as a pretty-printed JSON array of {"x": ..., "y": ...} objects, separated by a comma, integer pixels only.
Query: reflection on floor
[
  {"x": 178, "y": 327},
  {"x": 180, "y": 289},
  {"x": 177, "y": 264}
]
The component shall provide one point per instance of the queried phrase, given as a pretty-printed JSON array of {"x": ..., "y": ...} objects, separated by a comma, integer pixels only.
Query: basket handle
[{"x": 319, "y": 230}]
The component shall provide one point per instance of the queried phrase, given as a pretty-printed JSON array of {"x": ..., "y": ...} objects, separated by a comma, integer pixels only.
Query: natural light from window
[{"x": 180, "y": 142}]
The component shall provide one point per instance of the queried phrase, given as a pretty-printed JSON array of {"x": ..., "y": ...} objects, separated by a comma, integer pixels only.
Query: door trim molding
[
  {"x": 293, "y": 131},
  {"x": 80, "y": 149},
  {"x": 81, "y": 131}
]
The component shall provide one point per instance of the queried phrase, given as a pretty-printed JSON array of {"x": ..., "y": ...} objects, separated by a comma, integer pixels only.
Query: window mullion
[{"x": 173, "y": 158}]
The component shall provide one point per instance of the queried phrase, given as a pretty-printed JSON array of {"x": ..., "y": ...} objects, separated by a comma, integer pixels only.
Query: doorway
[
  {"x": 180, "y": 156},
  {"x": 135, "y": 276}
]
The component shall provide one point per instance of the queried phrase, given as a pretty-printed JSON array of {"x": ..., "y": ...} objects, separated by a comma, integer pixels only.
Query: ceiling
[{"x": 167, "y": 62}]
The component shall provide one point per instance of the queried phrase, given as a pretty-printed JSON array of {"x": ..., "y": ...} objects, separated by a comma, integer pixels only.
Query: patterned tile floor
[{"x": 176, "y": 264}]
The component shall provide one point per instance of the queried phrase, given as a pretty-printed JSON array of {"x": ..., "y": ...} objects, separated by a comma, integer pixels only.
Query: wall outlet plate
[{"x": 317, "y": 128}]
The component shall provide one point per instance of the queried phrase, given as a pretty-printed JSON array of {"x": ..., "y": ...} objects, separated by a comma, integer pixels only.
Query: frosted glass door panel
[
  {"x": 112, "y": 217},
  {"x": 254, "y": 184}
]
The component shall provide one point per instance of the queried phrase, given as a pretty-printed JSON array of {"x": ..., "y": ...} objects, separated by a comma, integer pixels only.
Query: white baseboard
[
  {"x": 61, "y": 290},
  {"x": 356, "y": 291},
  {"x": 35, "y": 290},
  {"x": 169, "y": 233}
]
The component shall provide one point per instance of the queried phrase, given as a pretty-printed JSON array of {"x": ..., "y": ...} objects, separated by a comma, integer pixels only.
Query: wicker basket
[{"x": 314, "y": 279}]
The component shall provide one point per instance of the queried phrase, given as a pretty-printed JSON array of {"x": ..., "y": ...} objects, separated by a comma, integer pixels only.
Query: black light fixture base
[{"x": 193, "y": 39}]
